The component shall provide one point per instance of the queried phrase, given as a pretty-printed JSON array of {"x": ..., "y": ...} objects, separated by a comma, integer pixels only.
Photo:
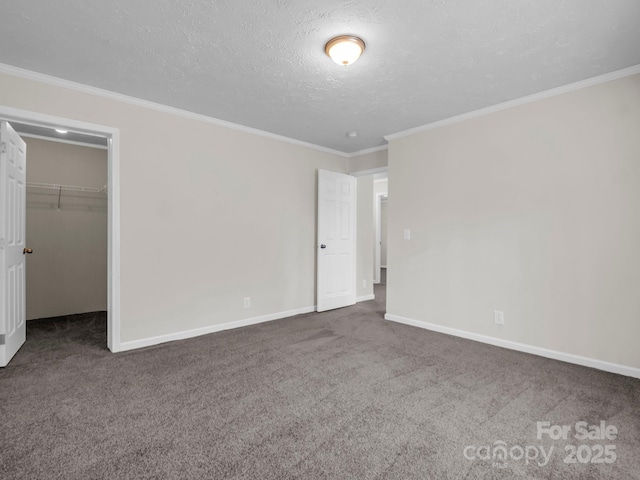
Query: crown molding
[
  {"x": 589, "y": 82},
  {"x": 79, "y": 87},
  {"x": 368, "y": 150}
]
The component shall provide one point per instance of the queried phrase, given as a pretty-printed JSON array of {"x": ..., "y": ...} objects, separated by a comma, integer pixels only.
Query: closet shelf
[{"x": 66, "y": 188}]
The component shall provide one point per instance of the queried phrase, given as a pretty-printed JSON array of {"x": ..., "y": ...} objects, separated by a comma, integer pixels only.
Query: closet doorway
[
  {"x": 69, "y": 196},
  {"x": 66, "y": 227}
]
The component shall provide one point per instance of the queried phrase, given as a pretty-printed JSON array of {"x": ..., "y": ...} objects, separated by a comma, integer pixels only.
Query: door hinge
[
  {"x": 1, "y": 339},
  {"x": 3, "y": 147}
]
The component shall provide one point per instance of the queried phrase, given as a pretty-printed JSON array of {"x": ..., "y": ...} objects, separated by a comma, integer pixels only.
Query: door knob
[
  {"x": 27, "y": 250},
  {"x": 323, "y": 246}
]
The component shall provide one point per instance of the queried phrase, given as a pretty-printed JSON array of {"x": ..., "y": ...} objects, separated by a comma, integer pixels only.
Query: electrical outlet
[
  {"x": 364, "y": 284},
  {"x": 247, "y": 302},
  {"x": 498, "y": 317},
  {"x": 407, "y": 234}
]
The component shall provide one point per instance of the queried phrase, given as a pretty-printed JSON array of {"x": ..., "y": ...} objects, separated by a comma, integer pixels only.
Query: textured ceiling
[{"x": 261, "y": 63}]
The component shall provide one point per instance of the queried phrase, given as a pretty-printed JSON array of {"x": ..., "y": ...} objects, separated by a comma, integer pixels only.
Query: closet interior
[{"x": 66, "y": 227}]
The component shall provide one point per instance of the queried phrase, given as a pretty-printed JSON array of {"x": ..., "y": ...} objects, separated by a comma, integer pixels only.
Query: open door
[
  {"x": 336, "y": 286},
  {"x": 13, "y": 165}
]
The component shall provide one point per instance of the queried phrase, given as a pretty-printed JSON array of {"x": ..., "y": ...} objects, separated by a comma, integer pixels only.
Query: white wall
[
  {"x": 67, "y": 273},
  {"x": 535, "y": 211},
  {"x": 381, "y": 186},
  {"x": 368, "y": 161},
  {"x": 365, "y": 237},
  {"x": 209, "y": 214}
]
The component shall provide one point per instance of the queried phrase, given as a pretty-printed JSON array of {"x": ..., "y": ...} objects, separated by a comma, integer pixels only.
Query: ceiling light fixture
[
  {"x": 60, "y": 130},
  {"x": 345, "y": 49}
]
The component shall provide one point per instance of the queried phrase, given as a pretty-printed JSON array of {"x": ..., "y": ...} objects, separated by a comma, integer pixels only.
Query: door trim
[
  {"x": 113, "y": 210},
  {"x": 378, "y": 208}
]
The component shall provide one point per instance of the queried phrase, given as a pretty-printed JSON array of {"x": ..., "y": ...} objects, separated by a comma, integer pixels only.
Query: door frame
[
  {"x": 380, "y": 196},
  {"x": 384, "y": 199},
  {"x": 113, "y": 202}
]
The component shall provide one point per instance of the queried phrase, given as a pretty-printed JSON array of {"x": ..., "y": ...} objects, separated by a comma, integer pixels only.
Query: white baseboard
[
  {"x": 365, "y": 298},
  {"x": 196, "y": 332},
  {"x": 521, "y": 347}
]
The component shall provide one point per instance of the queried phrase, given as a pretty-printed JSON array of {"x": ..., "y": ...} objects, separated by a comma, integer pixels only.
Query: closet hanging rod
[{"x": 69, "y": 188}]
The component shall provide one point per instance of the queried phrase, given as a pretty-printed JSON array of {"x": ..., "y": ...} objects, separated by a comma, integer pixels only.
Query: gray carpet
[{"x": 342, "y": 395}]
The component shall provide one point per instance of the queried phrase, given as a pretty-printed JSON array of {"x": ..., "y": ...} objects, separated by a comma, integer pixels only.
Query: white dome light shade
[{"x": 345, "y": 49}]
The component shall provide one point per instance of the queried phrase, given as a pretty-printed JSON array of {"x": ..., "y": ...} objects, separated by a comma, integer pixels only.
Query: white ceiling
[{"x": 261, "y": 63}]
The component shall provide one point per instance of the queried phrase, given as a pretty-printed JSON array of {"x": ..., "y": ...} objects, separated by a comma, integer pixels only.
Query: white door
[
  {"x": 336, "y": 240},
  {"x": 13, "y": 164}
]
